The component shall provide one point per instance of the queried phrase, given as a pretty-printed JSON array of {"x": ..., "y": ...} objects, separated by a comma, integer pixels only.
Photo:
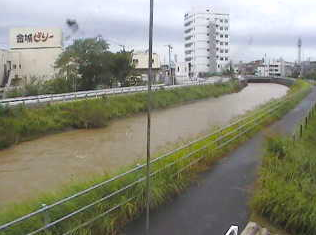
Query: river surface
[{"x": 43, "y": 165}]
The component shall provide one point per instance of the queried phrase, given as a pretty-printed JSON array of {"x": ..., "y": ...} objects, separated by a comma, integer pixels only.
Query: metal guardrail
[
  {"x": 49, "y": 98},
  {"x": 50, "y": 217}
]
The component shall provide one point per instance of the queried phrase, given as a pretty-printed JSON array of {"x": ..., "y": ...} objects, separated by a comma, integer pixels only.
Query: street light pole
[{"x": 150, "y": 52}]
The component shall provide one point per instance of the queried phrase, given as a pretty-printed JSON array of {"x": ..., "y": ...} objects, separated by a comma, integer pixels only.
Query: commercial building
[
  {"x": 32, "y": 53},
  {"x": 207, "y": 41}
]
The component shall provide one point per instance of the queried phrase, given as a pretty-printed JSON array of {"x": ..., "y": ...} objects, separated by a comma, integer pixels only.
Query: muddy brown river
[{"x": 45, "y": 164}]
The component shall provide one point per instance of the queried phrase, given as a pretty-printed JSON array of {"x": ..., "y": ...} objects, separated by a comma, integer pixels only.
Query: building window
[
  {"x": 135, "y": 61},
  {"x": 217, "y": 57},
  {"x": 226, "y": 51},
  {"x": 208, "y": 65},
  {"x": 208, "y": 41},
  {"x": 208, "y": 10},
  {"x": 226, "y": 28},
  {"x": 218, "y": 66},
  {"x": 226, "y": 43},
  {"x": 208, "y": 34},
  {"x": 217, "y": 26},
  {"x": 222, "y": 51},
  {"x": 207, "y": 18},
  {"x": 222, "y": 58},
  {"x": 221, "y": 43},
  {"x": 217, "y": 48},
  {"x": 226, "y": 58},
  {"x": 208, "y": 27},
  {"x": 20, "y": 66},
  {"x": 226, "y": 21},
  {"x": 208, "y": 49},
  {"x": 222, "y": 35},
  {"x": 208, "y": 57},
  {"x": 221, "y": 28},
  {"x": 226, "y": 36},
  {"x": 14, "y": 66},
  {"x": 221, "y": 21}
]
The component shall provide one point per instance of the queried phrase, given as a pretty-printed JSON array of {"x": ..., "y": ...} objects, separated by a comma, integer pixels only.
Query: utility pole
[
  {"x": 150, "y": 59},
  {"x": 170, "y": 70}
]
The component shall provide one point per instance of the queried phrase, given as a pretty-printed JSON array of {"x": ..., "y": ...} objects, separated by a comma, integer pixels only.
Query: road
[{"x": 220, "y": 197}]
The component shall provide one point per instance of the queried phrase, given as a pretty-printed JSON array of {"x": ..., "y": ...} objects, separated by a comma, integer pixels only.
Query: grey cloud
[{"x": 254, "y": 24}]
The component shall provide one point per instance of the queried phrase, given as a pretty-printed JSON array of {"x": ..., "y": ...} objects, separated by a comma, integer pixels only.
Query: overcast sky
[{"x": 257, "y": 27}]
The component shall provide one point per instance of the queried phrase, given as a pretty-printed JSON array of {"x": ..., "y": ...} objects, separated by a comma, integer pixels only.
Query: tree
[
  {"x": 93, "y": 61},
  {"x": 122, "y": 67},
  {"x": 92, "y": 65}
]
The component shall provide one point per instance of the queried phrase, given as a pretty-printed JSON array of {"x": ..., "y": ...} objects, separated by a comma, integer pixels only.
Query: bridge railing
[
  {"x": 125, "y": 190},
  {"x": 48, "y": 98}
]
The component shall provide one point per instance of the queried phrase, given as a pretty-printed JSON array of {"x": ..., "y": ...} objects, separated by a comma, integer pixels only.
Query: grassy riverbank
[
  {"x": 164, "y": 185},
  {"x": 286, "y": 194},
  {"x": 21, "y": 123}
]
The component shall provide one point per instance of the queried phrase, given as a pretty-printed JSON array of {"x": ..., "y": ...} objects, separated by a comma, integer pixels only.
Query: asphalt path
[{"x": 220, "y": 197}]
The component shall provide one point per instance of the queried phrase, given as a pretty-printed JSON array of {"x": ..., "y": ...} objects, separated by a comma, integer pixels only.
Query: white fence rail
[{"x": 49, "y": 98}]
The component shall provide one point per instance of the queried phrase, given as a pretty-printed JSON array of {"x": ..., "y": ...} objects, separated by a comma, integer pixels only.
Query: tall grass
[
  {"x": 286, "y": 193},
  {"x": 164, "y": 185},
  {"x": 21, "y": 123}
]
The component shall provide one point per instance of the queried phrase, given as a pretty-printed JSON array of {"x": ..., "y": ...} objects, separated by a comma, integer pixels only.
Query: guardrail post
[
  {"x": 306, "y": 121},
  {"x": 46, "y": 217}
]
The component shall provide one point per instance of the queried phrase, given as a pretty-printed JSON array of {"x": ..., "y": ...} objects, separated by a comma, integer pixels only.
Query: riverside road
[{"x": 220, "y": 197}]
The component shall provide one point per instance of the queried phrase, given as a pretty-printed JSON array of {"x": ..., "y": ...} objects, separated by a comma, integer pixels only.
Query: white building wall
[
  {"x": 3, "y": 54},
  {"x": 181, "y": 73},
  {"x": 222, "y": 41},
  {"x": 33, "y": 53},
  {"x": 204, "y": 32}
]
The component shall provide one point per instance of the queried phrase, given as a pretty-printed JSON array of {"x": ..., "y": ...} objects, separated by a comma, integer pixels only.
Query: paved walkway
[{"x": 220, "y": 198}]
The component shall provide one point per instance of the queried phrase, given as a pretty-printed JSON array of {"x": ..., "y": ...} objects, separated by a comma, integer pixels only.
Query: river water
[{"x": 47, "y": 163}]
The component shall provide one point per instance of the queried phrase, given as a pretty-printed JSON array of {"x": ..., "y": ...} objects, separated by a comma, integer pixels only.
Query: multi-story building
[
  {"x": 32, "y": 53},
  {"x": 207, "y": 41},
  {"x": 275, "y": 68}
]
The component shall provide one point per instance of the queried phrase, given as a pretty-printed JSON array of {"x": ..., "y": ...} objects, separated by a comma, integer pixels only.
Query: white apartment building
[{"x": 207, "y": 41}]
